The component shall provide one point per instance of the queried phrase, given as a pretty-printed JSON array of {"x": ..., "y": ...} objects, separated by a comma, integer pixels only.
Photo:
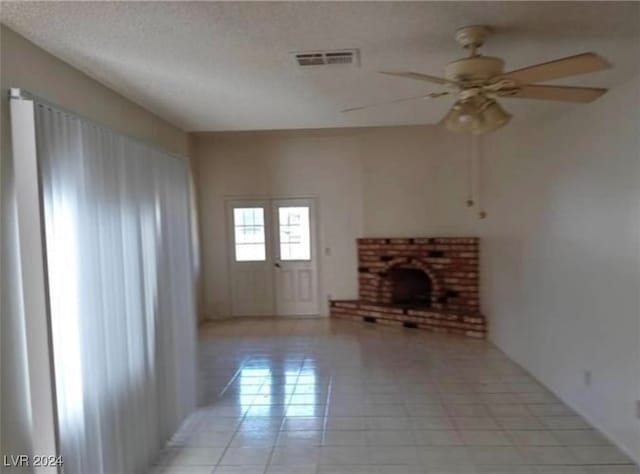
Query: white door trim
[{"x": 34, "y": 282}]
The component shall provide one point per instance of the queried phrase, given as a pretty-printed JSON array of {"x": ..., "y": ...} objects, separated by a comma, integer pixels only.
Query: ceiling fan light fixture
[
  {"x": 493, "y": 117},
  {"x": 466, "y": 119},
  {"x": 466, "y": 113},
  {"x": 464, "y": 116},
  {"x": 477, "y": 115}
]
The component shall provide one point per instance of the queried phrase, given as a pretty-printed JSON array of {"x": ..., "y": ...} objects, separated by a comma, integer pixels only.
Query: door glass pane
[
  {"x": 295, "y": 235},
  {"x": 248, "y": 227}
]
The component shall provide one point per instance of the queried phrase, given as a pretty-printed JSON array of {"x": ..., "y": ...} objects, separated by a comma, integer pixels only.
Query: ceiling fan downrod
[{"x": 472, "y": 37}]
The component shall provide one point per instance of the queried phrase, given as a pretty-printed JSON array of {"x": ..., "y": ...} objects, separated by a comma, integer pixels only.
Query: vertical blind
[{"x": 120, "y": 275}]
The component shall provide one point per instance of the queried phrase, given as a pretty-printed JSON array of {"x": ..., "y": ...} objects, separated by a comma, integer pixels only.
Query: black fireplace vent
[
  {"x": 369, "y": 319},
  {"x": 410, "y": 325},
  {"x": 436, "y": 253}
]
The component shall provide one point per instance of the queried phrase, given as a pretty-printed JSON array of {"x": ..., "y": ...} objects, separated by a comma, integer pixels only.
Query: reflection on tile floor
[{"x": 335, "y": 397}]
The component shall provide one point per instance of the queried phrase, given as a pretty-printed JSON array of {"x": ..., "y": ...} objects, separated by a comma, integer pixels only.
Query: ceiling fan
[{"x": 477, "y": 80}]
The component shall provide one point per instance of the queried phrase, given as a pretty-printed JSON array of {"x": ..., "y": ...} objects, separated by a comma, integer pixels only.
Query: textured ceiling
[{"x": 226, "y": 66}]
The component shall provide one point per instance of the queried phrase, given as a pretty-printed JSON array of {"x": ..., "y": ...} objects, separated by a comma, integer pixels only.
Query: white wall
[
  {"x": 26, "y": 66},
  {"x": 560, "y": 247},
  {"x": 415, "y": 182},
  {"x": 561, "y": 256}
]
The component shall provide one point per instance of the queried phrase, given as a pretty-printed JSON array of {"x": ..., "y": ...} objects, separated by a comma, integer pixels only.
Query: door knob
[{"x": 277, "y": 265}]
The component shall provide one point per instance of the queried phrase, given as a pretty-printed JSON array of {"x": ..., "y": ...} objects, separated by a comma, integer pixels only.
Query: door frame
[
  {"x": 34, "y": 286},
  {"x": 315, "y": 245}
]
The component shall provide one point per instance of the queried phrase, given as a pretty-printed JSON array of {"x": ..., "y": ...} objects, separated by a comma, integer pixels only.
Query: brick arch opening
[{"x": 386, "y": 283}]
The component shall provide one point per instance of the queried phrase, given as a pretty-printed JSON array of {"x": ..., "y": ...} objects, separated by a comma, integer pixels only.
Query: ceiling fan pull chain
[
  {"x": 478, "y": 168},
  {"x": 470, "y": 164}
]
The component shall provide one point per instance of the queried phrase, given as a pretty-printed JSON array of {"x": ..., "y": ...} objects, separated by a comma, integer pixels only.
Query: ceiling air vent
[{"x": 347, "y": 57}]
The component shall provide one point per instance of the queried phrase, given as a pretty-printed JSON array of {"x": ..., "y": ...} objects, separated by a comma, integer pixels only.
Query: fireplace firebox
[{"x": 410, "y": 287}]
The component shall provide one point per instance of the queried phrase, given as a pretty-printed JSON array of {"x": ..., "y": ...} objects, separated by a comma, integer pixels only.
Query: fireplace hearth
[{"x": 425, "y": 283}]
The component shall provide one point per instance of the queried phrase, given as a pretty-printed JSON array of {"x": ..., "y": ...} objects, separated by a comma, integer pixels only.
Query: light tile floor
[{"x": 334, "y": 397}]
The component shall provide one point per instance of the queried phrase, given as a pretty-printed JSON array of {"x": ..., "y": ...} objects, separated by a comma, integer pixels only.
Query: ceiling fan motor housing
[
  {"x": 474, "y": 69},
  {"x": 473, "y": 36}
]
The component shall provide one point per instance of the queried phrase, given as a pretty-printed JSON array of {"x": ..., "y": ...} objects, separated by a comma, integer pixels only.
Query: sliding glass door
[{"x": 119, "y": 276}]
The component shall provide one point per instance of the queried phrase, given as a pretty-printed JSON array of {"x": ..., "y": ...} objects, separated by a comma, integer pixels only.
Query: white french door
[
  {"x": 295, "y": 263},
  {"x": 251, "y": 263},
  {"x": 273, "y": 261}
]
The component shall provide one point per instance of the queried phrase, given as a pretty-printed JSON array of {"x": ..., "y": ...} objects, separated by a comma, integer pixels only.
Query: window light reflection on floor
[{"x": 268, "y": 386}]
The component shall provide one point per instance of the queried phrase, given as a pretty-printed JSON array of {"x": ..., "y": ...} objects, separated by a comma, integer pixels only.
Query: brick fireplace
[{"x": 425, "y": 283}]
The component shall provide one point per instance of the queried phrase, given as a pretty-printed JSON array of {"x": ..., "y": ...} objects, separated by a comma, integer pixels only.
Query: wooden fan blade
[
  {"x": 419, "y": 77},
  {"x": 562, "y": 93},
  {"x": 565, "y": 67},
  {"x": 432, "y": 95}
]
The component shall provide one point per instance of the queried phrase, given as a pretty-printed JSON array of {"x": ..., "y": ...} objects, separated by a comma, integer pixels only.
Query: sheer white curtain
[{"x": 120, "y": 273}]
